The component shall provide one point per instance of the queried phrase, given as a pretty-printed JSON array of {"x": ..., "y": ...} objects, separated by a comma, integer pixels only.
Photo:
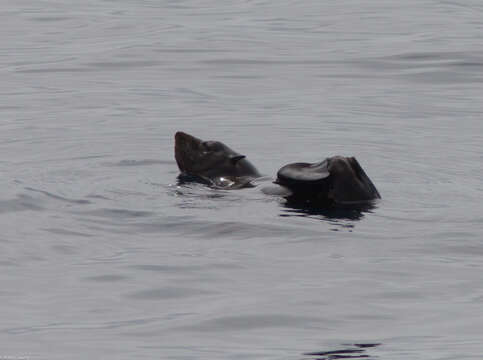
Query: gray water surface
[{"x": 104, "y": 255}]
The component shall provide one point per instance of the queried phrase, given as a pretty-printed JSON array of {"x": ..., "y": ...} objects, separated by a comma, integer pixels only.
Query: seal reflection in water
[
  {"x": 335, "y": 181},
  {"x": 212, "y": 162}
]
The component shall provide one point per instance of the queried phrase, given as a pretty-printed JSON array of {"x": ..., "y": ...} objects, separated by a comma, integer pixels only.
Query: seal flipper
[
  {"x": 362, "y": 176},
  {"x": 337, "y": 181},
  {"x": 298, "y": 173},
  {"x": 308, "y": 182}
]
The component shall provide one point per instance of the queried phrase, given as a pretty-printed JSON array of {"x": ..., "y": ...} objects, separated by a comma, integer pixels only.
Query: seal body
[
  {"x": 212, "y": 162},
  {"x": 337, "y": 180}
]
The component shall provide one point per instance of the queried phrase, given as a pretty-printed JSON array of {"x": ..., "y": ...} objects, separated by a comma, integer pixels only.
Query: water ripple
[
  {"x": 252, "y": 322},
  {"x": 355, "y": 351},
  {"x": 21, "y": 203},
  {"x": 146, "y": 162},
  {"x": 58, "y": 197},
  {"x": 168, "y": 293}
]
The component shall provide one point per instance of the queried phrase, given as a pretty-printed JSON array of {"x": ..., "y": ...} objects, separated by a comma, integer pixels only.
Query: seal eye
[{"x": 211, "y": 145}]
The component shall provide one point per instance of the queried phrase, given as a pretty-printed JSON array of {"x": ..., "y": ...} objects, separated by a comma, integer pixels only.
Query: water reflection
[
  {"x": 184, "y": 179},
  {"x": 303, "y": 209},
  {"x": 353, "y": 351},
  {"x": 194, "y": 190}
]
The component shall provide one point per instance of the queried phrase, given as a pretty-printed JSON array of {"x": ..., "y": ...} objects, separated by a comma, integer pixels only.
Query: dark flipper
[
  {"x": 361, "y": 174},
  {"x": 334, "y": 181},
  {"x": 308, "y": 182},
  {"x": 303, "y": 173}
]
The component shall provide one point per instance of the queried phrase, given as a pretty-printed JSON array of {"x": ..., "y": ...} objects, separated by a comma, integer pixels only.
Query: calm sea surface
[{"x": 103, "y": 255}]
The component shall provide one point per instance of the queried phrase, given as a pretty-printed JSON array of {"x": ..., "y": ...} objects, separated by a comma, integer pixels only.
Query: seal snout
[
  {"x": 179, "y": 136},
  {"x": 186, "y": 150},
  {"x": 182, "y": 138}
]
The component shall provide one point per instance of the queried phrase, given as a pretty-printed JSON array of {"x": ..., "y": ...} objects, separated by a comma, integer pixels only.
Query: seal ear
[{"x": 236, "y": 158}]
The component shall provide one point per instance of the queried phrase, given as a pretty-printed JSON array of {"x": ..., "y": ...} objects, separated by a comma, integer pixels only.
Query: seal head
[{"x": 212, "y": 161}]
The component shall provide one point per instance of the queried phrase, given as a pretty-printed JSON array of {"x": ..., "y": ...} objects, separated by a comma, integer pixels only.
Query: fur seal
[
  {"x": 212, "y": 162},
  {"x": 337, "y": 180}
]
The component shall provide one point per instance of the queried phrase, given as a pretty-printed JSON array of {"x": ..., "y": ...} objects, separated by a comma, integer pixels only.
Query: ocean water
[{"x": 103, "y": 255}]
